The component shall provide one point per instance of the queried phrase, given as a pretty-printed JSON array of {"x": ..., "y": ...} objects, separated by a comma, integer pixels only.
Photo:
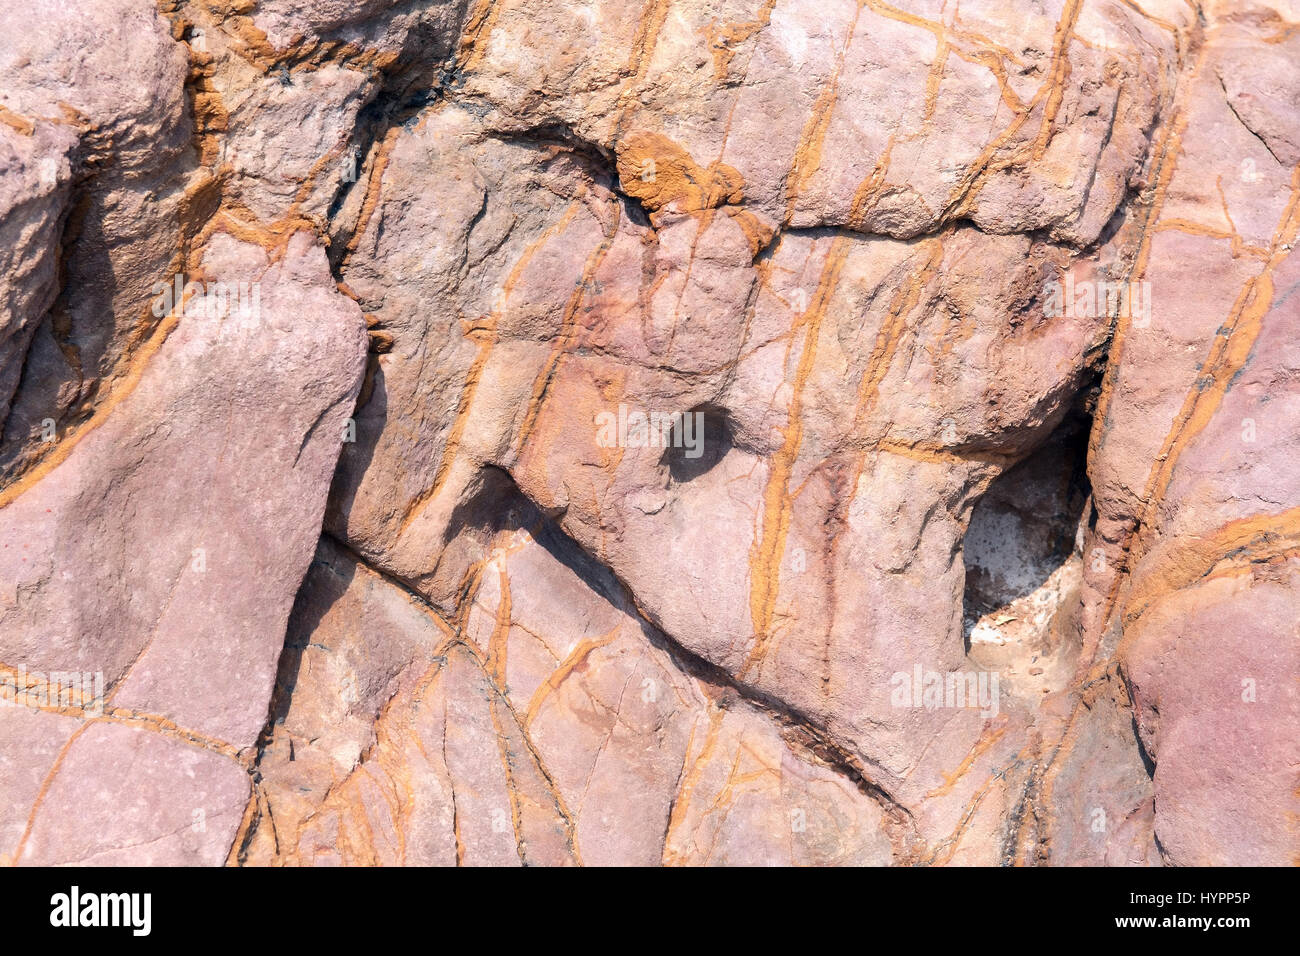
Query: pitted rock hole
[
  {"x": 1023, "y": 557},
  {"x": 699, "y": 442}
]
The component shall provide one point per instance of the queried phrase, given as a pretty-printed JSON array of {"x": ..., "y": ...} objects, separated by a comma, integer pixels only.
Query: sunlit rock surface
[{"x": 689, "y": 432}]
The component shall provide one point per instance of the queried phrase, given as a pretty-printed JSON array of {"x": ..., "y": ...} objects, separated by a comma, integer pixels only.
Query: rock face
[{"x": 494, "y": 432}]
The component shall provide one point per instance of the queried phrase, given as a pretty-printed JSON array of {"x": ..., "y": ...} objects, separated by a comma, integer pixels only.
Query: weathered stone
[
  {"x": 161, "y": 549},
  {"x": 790, "y": 433}
]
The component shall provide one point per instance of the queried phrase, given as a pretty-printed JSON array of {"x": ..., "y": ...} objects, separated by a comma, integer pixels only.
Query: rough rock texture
[{"x": 494, "y": 432}]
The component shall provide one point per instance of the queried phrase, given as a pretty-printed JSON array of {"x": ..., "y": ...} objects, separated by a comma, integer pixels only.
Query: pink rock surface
[
  {"x": 745, "y": 432},
  {"x": 163, "y": 551}
]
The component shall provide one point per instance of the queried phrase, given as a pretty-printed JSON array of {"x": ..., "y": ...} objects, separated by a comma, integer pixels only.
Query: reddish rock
[{"x": 785, "y": 433}]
